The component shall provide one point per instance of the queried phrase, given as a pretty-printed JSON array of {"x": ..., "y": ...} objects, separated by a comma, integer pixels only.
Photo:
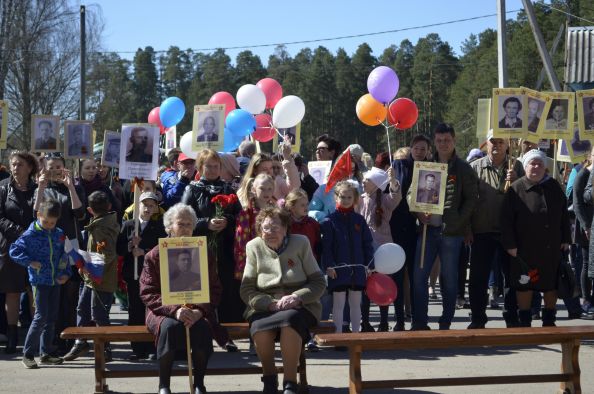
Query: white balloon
[
  {"x": 288, "y": 112},
  {"x": 185, "y": 144},
  {"x": 251, "y": 98},
  {"x": 389, "y": 259}
]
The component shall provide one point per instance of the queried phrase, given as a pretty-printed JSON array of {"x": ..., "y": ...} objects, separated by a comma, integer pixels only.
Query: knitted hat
[
  {"x": 378, "y": 177},
  {"x": 356, "y": 151},
  {"x": 533, "y": 154},
  {"x": 475, "y": 154}
]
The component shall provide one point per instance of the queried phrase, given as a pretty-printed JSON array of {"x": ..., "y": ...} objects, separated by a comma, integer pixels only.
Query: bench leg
[
  {"x": 570, "y": 365},
  {"x": 355, "y": 369},
  {"x": 99, "y": 350},
  {"x": 303, "y": 386}
]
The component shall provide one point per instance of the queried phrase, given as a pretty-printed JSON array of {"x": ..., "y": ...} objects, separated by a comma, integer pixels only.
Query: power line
[{"x": 567, "y": 13}]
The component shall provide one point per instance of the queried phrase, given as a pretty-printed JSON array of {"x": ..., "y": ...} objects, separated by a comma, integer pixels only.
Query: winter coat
[
  {"x": 583, "y": 210},
  {"x": 270, "y": 276},
  {"x": 367, "y": 208},
  {"x": 149, "y": 238},
  {"x": 46, "y": 247},
  {"x": 16, "y": 213},
  {"x": 589, "y": 199},
  {"x": 534, "y": 219},
  {"x": 150, "y": 294},
  {"x": 403, "y": 224},
  {"x": 103, "y": 236},
  {"x": 346, "y": 240},
  {"x": 173, "y": 189}
]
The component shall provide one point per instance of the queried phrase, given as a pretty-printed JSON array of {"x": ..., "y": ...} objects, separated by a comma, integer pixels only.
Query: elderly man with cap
[
  {"x": 174, "y": 186},
  {"x": 487, "y": 253},
  {"x": 535, "y": 231},
  {"x": 130, "y": 247}
]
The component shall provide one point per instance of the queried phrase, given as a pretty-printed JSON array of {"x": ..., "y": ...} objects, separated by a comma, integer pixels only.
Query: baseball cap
[
  {"x": 184, "y": 157},
  {"x": 149, "y": 195}
]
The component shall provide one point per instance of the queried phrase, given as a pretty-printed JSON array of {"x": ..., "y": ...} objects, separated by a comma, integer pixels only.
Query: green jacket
[
  {"x": 461, "y": 197},
  {"x": 491, "y": 190},
  {"x": 103, "y": 232}
]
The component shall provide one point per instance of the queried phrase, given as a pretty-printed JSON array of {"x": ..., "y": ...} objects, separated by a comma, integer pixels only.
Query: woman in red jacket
[{"x": 168, "y": 322}]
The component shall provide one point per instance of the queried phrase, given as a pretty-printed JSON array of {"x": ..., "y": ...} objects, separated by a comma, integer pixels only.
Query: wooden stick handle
[
  {"x": 189, "y": 353},
  {"x": 423, "y": 242},
  {"x": 136, "y": 216}
]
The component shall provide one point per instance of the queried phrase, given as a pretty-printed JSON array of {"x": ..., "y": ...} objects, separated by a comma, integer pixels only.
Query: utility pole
[
  {"x": 83, "y": 65},
  {"x": 501, "y": 44},
  {"x": 540, "y": 44}
]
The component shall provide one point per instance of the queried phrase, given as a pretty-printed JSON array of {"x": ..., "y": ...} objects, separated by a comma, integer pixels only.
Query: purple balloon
[{"x": 383, "y": 84}]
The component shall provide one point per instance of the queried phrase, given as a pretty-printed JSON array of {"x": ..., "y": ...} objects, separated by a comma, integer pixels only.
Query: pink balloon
[
  {"x": 223, "y": 98},
  {"x": 264, "y": 131},
  {"x": 155, "y": 119},
  {"x": 272, "y": 90}
]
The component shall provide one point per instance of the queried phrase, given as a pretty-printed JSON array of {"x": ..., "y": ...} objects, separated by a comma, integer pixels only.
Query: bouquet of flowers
[
  {"x": 221, "y": 202},
  {"x": 529, "y": 275}
]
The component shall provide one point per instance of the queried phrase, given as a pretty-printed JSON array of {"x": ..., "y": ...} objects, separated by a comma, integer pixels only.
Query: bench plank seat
[
  {"x": 568, "y": 337},
  {"x": 106, "y": 334}
]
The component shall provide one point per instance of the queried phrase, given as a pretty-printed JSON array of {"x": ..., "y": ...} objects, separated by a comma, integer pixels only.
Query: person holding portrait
[
  {"x": 168, "y": 322},
  {"x": 282, "y": 285}
]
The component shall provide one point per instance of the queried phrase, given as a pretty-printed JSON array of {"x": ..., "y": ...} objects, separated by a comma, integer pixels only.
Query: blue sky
[{"x": 199, "y": 24}]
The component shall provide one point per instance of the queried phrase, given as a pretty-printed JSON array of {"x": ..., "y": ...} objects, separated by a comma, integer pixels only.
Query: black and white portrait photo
[
  {"x": 535, "y": 108},
  {"x": 429, "y": 183},
  {"x": 184, "y": 269},
  {"x": 588, "y": 108},
  {"x": 557, "y": 116},
  {"x": 78, "y": 139},
  {"x": 287, "y": 134},
  {"x": 139, "y": 151},
  {"x": 45, "y": 133},
  {"x": 208, "y": 130},
  {"x": 111, "y": 149},
  {"x": 511, "y": 109}
]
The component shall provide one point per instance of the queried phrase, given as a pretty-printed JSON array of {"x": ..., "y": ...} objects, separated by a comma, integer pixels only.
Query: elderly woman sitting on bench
[
  {"x": 282, "y": 285},
  {"x": 168, "y": 322}
]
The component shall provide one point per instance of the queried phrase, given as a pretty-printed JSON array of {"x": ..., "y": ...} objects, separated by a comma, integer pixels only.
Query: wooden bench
[
  {"x": 107, "y": 334},
  {"x": 568, "y": 337}
]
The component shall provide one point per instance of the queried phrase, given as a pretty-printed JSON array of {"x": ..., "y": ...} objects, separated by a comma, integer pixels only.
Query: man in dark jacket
[
  {"x": 487, "y": 252},
  {"x": 133, "y": 249},
  {"x": 445, "y": 233},
  {"x": 174, "y": 185}
]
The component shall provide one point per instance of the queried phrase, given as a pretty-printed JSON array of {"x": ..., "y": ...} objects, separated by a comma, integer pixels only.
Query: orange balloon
[{"x": 370, "y": 111}]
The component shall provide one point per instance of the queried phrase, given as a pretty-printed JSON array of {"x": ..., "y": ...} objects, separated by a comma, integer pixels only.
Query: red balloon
[
  {"x": 223, "y": 98},
  {"x": 381, "y": 289},
  {"x": 264, "y": 131},
  {"x": 403, "y": 113},
  {"x": 272, "y": 90},
  {"x": 154, "y": 118}
]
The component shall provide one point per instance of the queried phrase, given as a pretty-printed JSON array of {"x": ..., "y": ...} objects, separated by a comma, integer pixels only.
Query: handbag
[{"x": 566, "y": 282}]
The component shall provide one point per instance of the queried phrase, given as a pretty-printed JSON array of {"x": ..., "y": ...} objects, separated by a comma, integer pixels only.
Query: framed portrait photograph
[
  {"x": 559, "y": 116},
  {"x": 139, "y": 151},
  {"x": 208, "y": 127},
  {"x": 110, "y": 156},
  {"x": 78, "y": 139},
  {"x": 577, "y": 148},
  {"x": 45, "y": 133},
  {"x": 509, "y": 113},
  {"x": 428, "y": 187},
  {"x": 483, "y": 119},
  {"x": 170, "y": 138},
  {"x": 184, "y": 270},
  {"x": 535, "y": 104},
  {"x": 319, "y": 170},
  {"x": 291, "y": 134},
  {"x": 3, "y": 124},
  {"x": 585, "y": 112},
  {"x": 563, "y": 152}
]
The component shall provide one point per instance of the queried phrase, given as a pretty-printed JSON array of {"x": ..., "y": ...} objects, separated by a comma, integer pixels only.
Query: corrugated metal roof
[{"x": 579, "y": 64}]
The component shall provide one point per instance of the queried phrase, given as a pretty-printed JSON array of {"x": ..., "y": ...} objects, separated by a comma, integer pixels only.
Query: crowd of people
[{"x": 288, "y": 252}]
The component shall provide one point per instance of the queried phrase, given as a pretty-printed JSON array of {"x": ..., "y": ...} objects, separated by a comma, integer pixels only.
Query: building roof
[{"x": 579, "y": 55}]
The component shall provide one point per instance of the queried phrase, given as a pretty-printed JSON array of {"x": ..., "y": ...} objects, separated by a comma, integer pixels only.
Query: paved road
[{"x": 327, "y": 369}]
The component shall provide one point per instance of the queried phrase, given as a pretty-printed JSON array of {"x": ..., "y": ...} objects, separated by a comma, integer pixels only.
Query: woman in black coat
[
  {"x": 221, "y": 230},
  {"x": 17, "y": 194},
  {"x": 535, "y": 231}
]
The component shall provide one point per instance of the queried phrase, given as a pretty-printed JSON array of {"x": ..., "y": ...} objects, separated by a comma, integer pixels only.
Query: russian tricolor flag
[{"x": 91, "y": 263}]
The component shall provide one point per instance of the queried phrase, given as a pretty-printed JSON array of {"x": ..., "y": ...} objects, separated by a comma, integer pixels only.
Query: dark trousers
[
  {"x": 67, "y": 311},
  {"x": 136, "y": 316},
  {"x": 585, "y": 282},
  {"x": 462, "y": 270},
  {"x": 3, "y": 321},
  {"x": 485, "y": 249}
]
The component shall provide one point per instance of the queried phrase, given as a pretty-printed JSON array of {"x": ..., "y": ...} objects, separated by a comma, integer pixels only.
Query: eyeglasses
[{"x": 271, "y": 228}]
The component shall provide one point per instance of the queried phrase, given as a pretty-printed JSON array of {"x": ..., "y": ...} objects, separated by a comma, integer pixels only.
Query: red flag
[{"x": 341, "y": 170}]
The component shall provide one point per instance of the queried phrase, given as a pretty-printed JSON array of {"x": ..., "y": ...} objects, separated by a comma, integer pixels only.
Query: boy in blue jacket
[{"x": 41, "y": 250}]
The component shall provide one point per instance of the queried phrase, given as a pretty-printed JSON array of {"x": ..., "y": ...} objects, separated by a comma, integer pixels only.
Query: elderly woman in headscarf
[
  {"x": 535, "y": 231},
  {"x": 168, "y": 322}
]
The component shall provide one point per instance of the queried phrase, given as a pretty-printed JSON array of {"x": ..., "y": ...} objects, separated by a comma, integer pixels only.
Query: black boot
[
  {"x": 525, "y": 318},
  {"x": 548, "y": 317},
  {"x": 270, "y": 384},
  {"x": 511, "y": 319},
  {"x": 12, "y": 333},
  {"x": 290, "y": 387}
]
